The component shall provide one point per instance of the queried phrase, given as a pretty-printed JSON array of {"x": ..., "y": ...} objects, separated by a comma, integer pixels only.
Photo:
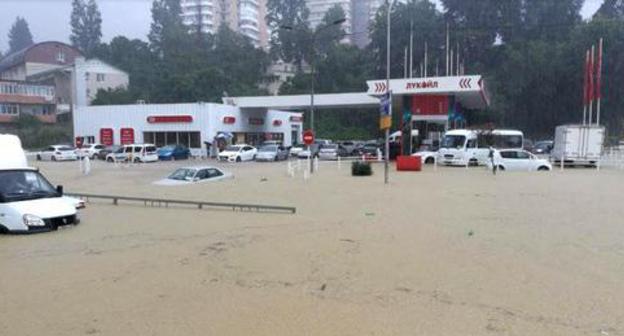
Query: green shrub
[{"x": 361, "y": 168}]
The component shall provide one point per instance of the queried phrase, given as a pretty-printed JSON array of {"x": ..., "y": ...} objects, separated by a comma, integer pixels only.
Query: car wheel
[
  {"x": 238, "y": 159},
  {"x": 543, "y": 168},
  {"x": 110, "y": 159},
  {"x": 38, "y": 157},
  {"x": 501, "y": 168},
  {"x": 137, "y": 160},
  {"x": 429, "y": 161},
  {"x": 53, "y": 158}
]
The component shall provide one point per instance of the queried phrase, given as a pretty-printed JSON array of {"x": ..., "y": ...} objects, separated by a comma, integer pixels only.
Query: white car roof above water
[{"x": 12, "y": 155}]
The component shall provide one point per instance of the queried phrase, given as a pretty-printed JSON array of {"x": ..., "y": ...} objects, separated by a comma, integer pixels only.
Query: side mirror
[{"x": 59, "y": 190}]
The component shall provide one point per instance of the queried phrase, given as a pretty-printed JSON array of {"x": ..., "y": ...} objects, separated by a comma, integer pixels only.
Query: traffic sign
[
  {"x": 384, "y": 104},
  {"x": 308, "y": 137}
]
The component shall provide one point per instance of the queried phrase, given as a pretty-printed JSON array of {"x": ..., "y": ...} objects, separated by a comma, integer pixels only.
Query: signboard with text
[{"x": 126, "y": 136}]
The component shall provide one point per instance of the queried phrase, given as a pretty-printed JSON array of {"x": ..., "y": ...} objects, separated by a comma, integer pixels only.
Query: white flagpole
[
  {"x": 447, "y": 49},
  {"x": 591, "y": 89},
  {"x": 405, "y": 64},
  {"x": 451, "y": 65},
  {"x": 599, "y": 86},
  {"x": 426, "y": 61},
  {"x": 457, "y": 63},
  {"x": 411, "y": 57}
]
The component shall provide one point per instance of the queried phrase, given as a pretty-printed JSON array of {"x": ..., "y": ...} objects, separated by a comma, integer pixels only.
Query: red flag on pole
[
  {"x": 590, "y": 90},
  {"x": 599, "y": 72},
  {"x": 586, "y": 81}
]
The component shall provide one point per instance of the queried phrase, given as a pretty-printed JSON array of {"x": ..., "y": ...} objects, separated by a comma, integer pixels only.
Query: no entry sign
[{"x": 308, "y": 137}]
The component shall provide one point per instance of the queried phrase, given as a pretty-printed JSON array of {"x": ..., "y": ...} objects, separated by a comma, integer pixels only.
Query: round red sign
[{"x": 308, "y": 137}]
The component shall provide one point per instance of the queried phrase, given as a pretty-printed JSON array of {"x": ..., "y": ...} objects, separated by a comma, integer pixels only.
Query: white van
[
  {"x": 134, "y": 153},
  {"x": 472, "y": 147},
  {"x": 28, "y": 202}
]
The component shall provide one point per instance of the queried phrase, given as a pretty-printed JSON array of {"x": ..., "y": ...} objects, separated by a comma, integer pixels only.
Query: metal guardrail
[{"x": 200, "y": 205}]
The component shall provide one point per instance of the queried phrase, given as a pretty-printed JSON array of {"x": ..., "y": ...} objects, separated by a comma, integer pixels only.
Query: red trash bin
[{"x": 409, "y": 163}]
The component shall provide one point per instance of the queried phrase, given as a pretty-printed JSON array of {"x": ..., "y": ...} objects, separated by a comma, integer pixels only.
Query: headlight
[{"x": 32, "y": 220}]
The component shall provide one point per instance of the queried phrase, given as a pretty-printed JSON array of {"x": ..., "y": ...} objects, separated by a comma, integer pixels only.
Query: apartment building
[
  {"x": 244, "y": 16},
  {"x": 20, "y": 97}
]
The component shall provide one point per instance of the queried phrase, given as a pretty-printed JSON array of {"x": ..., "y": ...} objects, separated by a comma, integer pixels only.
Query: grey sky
[{"x": 49, "y": 19}]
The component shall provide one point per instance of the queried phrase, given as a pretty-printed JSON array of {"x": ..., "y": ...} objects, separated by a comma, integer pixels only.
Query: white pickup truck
[{"x": 28, "y": 202}]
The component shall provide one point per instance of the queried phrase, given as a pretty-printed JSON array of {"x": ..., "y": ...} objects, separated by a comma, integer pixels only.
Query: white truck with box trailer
[
  {"x": 578, "y": 145},
  {"x": 28, "y": 202}
]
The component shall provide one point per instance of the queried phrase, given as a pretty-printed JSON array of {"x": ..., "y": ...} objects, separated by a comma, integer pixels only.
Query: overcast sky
[{"x": 49, "y": 19}]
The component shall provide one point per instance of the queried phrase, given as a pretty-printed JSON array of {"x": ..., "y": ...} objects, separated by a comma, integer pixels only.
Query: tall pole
[
  {"x": 426, "y": 47},
  {"x": 599, "y": 82},
  {"x": 312, "y": 100},
  {"x": 457, "y": 63},
  {"x": 591, "y": 86},
  {"x": 451, "y": 65},
  {"x": 447, "y": 49},
  {"x": 405, "y": 64},
  {"x": 411, "y": 49},
  {"x": 387, "y": 144},
  {"x": 585, "y": 87}
]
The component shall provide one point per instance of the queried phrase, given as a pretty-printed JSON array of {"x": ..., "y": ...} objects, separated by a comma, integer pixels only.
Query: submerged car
[
  {"x": 543, "y": 147},
  {"x": 518, "y": 160},
  {"x": 332, "y": 152},
  {"x": 272, "y": 153},
  {"x": 173, "y": 152},
  {"x": 190, "y": 175}
]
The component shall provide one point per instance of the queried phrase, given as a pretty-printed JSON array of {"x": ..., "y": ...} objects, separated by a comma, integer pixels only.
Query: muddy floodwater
[{"x": 442, "y": 252}]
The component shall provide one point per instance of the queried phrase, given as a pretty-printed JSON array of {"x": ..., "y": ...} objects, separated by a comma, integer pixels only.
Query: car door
[
  {"x": 46, "y": 154},
  {"x": 508, "y": 160},
  {"x": 247, "y": 153},
  {"x": 524, "y": 161}
]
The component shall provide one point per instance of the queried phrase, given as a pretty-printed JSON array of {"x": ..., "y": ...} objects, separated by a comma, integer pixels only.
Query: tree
[
  {"x": 290, "y": 34},
  {"x": 86, "y": 26},
  {"x": 167, "y": 35},
  {"x": 19, "y": 35},
  {"x": 611, "y": 9},
  {"x": 329, "y": 34}
]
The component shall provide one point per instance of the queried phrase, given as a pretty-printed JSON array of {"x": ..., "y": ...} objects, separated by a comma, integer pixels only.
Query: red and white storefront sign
[
  {"x": 126, "y": 136},
  {"x": 169, "y": 119},
  {"x": 107, "y": 136}
]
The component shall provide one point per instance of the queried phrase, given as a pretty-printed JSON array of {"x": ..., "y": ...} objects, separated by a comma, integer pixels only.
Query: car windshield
[
  {"x": 183, "y": 174},
  {"x": 232, "y": 148},
  {"x": 168, "y": 148},
  {"x": 453, "y": 141},
  {"x": 65, "y": 149},
  {"x": 330, "y": 147},
  {"x": 270, "y": 149},
  {"x": 18, "y": 185}
]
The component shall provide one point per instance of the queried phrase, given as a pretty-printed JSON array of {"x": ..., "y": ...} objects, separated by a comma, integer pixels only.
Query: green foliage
[
  {"x": 19, "y": 36},
  {"x": 86, "y": 26},
  {"x": 361, "y": 168},
  {"x": 35, "y": 134},
  {"x": 288, "y": 23}
]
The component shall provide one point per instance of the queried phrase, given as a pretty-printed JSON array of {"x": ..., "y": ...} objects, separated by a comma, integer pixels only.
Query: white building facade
[
  {"x": 244, "y": 16},
  {"x": 192, "y": 125}
]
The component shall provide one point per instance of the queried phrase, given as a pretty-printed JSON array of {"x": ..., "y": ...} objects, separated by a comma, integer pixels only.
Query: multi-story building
[
  {"x": 37, "y": 58},
  {"x": 244, "y": 16},
  {"x": 318, "y": 9},
  {"x": 360, "y": 15},
  {"x": 19, "y": 98}
]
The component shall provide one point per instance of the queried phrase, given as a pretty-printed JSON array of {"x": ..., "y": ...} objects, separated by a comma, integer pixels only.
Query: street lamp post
[
  {"x": 388, "y": 92},
  {"x": 313, "y": 75}
]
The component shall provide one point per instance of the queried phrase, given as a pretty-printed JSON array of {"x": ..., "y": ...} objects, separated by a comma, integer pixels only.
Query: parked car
[
  {"x": 528, "y": 145},
  {"x": 90, "y": 150},
  {"x": 238, "y": 153},
  {"x": 189, "y": 175},
  {"x": 134, "y": 153},
  {"x": 351, "y": 147},
  {"x": 543, "y": 147},
  {"x": 296, "y": 149},
  {"x": 427, "y": 157},
  {"x": 58, "y": 153},
  {"x": 107, "y": 150},
  {"x": 370, "y": 149},
  {"x": 332, "y": 152},
  {"x": 272, "y": 153},
  {"x": 311, "y": 151},
  {"x": 518, "y": 160},
  {"x": 173, "y": 152}
]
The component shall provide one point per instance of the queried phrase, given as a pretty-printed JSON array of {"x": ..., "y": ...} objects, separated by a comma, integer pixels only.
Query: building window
[
  {"x": 161, "y": 139},
  {"x": 60, "y": 56},
  {"x": 101, "y": 77},
  {"x": 10, "y": 109}
]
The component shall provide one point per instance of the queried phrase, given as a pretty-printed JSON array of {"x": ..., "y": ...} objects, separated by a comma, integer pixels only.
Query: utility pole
[{"x": 389, "y": 93}]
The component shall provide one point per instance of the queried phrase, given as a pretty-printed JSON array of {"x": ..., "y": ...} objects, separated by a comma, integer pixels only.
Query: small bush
[{"x": 360, "y": 168}]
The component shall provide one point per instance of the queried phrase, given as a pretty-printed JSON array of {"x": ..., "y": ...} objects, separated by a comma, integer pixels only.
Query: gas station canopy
[{"x": 469, "y": 91}]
